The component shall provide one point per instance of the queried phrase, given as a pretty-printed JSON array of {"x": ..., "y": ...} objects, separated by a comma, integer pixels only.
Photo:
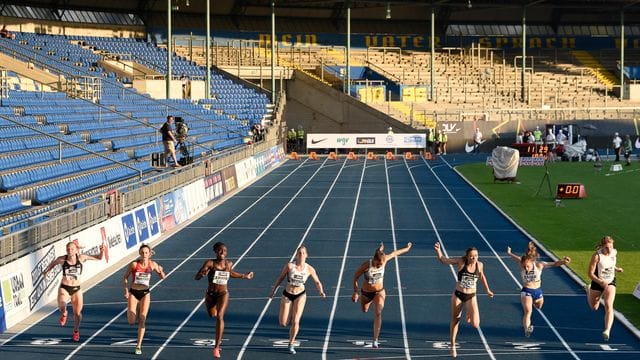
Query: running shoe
[
  {"x": 216, "y": 352},
  {"x": 76, "y": 336},
  {"x": 375, "y": 344},
  {"x": 605, "y": 335},
  {"x": 138, "y": 351},
  {"x": 528, "y": 331},
  {"x": 292, "y": 351},
  {"x": 63, "y": 319}
]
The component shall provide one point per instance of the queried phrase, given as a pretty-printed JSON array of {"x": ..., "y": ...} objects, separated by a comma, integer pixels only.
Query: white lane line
[
  {"x": 519, "y": 286},
  {"x": 344, "y": 261},
  {"x": 444, "y": 250},
  {"x": 84, "y": 343},
  {"x": 403, "y": 321},
  {"x": 175, "y": 332},
  {"x": 304, "y": 236}
]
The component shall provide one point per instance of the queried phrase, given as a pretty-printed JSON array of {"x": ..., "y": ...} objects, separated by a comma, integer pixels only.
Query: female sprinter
[
  {"x": 602, "y": 271},
  {"x": 470, "y": 270},
  {"x": 530, "y": 272},
  {"x": 372, "y": 288},
  {"x": 70, "y": 284},
  {"x": 138, "y": 294},
  {"x": 218, "y": 272},
  {"x": 294, "y": 296}
]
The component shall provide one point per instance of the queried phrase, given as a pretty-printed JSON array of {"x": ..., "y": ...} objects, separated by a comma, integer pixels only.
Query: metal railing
[{"x": 71, "y": 218}]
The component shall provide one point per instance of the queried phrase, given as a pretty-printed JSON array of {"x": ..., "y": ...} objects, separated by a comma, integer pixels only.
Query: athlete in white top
[
  {"x": 139, "y": 293},
  {"x": 218, "y": 272},
  {"x": 373, "y": 288},
  {"x": 530, "y": 272},
  {"x": 602, "y": 269},
  {"x": 294, "y": 295}
]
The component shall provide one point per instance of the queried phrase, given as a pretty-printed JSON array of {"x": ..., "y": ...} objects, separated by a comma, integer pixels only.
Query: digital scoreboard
[{"x": 570, "y": 191}]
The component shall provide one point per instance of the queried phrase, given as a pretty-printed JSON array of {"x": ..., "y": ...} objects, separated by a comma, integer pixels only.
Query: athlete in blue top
[{"x": 530, "y": 272}]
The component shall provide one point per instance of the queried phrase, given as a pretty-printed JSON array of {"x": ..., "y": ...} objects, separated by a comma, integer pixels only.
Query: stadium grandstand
[{"x": 86, "y": 86}]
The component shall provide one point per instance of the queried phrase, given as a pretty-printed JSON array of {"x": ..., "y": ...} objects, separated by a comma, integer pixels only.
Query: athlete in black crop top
[
  {"x": 218, "y": 272},
  {"x": 470, "y": 270},
  {"x": 70, "y": 285}
]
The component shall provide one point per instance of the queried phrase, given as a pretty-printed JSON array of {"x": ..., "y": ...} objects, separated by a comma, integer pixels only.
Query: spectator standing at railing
[
  {"x": 617, "y": 145},
  {"x": 5, "y": 33},
  {"x": 186, "y": 86},
  {"x": 443, "y": 143},
  {"x": 169, "y": 141},
  {"x": 300, "y": 137},
  {"x": 477, "y": 140},
  {"x": 430, "y": 140},
  {"x": 628, "y": 148},
  {"x": 550, "y": 139},
  {"x": 438, "y": 140},
  {"x": 537, "y": 135},
  {"x": 291, "y": 140}
]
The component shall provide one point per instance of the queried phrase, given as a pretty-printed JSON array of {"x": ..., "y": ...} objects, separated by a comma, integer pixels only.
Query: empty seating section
[
  {"x": 121, "y": 124},
  {"x": 9, "y": 204}
]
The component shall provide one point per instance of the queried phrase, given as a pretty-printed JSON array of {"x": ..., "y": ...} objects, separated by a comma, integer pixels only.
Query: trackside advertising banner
[
  {"x": 366, "y": 141},
  {"x": 23, "y": 288}
]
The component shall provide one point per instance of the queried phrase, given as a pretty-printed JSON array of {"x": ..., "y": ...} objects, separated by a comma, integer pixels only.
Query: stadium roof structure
[{"x": 551, "y": 12}]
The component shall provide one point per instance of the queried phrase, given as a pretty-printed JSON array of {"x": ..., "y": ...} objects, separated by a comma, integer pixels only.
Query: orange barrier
[
  {"x": 371, "y": 156},
  {"x": 390, "y": 156},
  {"x": 352, "y": 156},
  {"x": 408, "y": 155},
  {"x": 294, "y": 156},
  {"x": 333, "y": 156},
  {"x": 313, "y": 155}
]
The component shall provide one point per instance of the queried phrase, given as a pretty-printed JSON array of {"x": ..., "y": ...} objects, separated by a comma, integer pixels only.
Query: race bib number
[
  {"x": 468, "y": 282},
  {"x": 297, "y": 280},
  {"x": 220, "y": 277},
  {"x": 375, "y": 278},
  {"x": 72, "y": 273},
  {"x": 608, "y": 273},
  {"x": 143, "y": 278},
  {"x": 530, "y": 276}
]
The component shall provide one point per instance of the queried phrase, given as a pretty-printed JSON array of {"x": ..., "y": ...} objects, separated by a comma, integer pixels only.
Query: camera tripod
[{"x": 547, "y": 178}]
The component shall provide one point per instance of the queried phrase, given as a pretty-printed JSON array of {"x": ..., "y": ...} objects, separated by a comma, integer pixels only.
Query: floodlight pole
[
  {"x": 273, "y": 52},
  {"x": 433, "y": 49},
  {"x": 207, "y": 87},
  {"x": 622, "y": 54},
  {"x": 348, "y": 70},
  {"x": 524, "y": 51},
  {"x": 169, "y": 50}
]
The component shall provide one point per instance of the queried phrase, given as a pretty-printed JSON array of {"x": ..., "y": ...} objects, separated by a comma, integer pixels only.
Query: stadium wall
[
  {"x": 321, "y": 109},
  {"x": 24, "y": 290}
]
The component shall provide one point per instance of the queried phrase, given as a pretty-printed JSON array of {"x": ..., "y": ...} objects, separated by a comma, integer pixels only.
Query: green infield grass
[{"x": 573, "y": 227}]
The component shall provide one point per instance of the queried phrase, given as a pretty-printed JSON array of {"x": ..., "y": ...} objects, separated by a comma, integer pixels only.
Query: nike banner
[{"x": 366, "y": 141}]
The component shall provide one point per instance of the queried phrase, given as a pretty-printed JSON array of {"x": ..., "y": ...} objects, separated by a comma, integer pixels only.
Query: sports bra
[
  {"x": 142, "y": 276},
  {"x": 468, "y": 279},
  {"x": 297, "y": 278},
  {"x": 374, "y": 275},
  {"x": 72, "y": 272},
  {"x": 219, "y": 276}
]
